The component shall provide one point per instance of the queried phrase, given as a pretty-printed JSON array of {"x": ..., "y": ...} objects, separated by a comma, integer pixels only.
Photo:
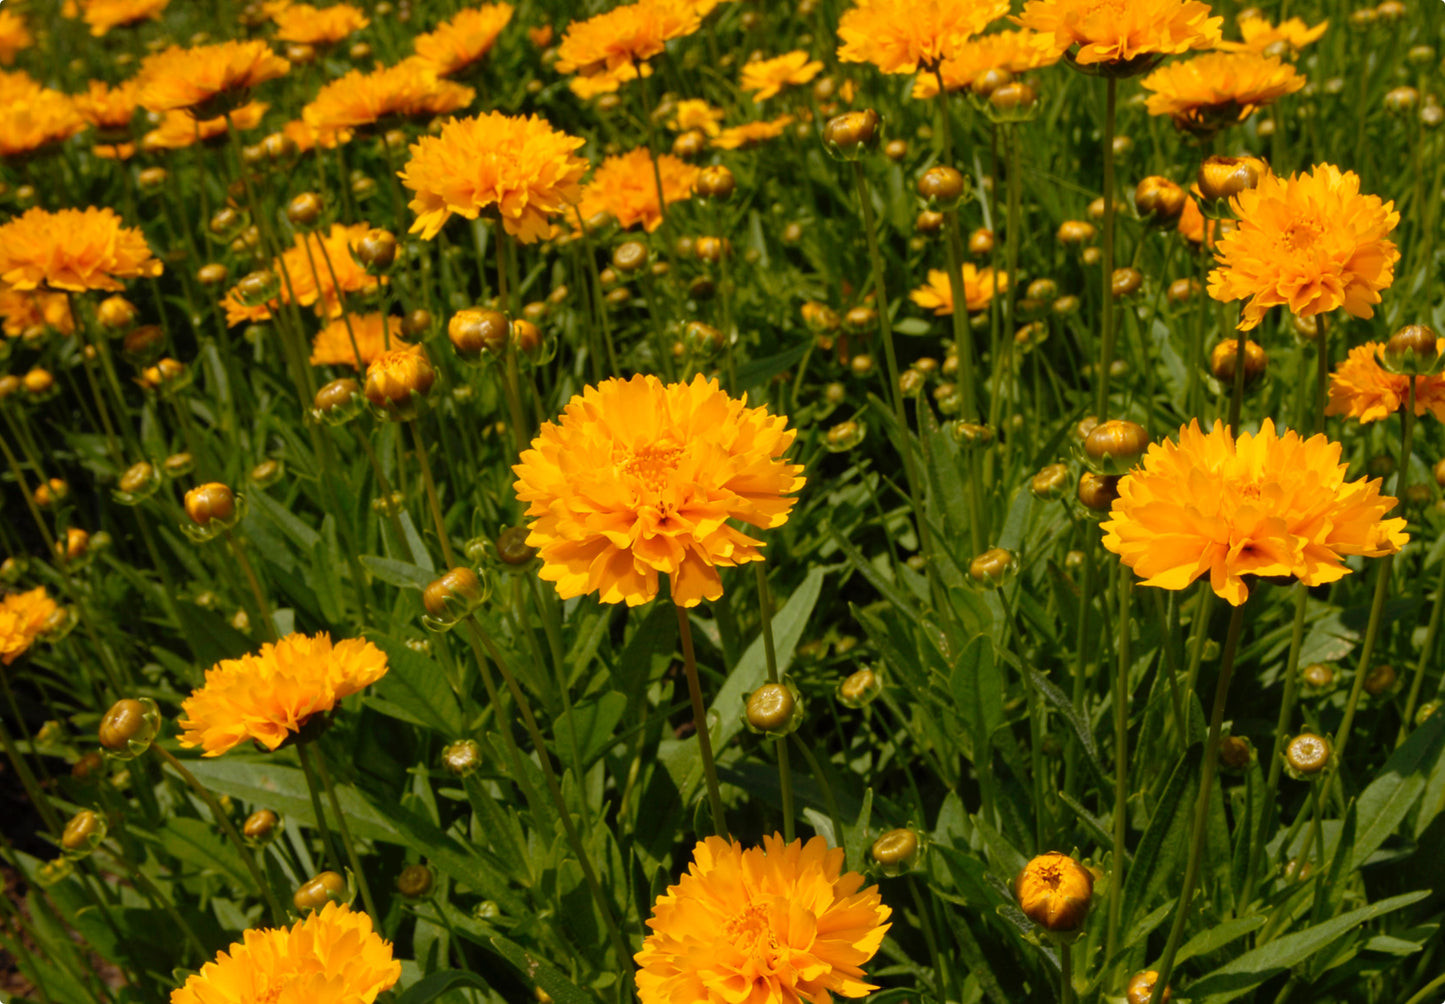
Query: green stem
[
  {"x": 785, "y": 773},
  {"x": 1425, "y": 650},
  {"x": 1066, "y": 974},
  {"x": 1121, "y": 767},
  {"x": 834, "y": 815},
  {"x": 347, "y": 840},
  {"x": 263, "y": 609},
  {"x": 1106, "y": 341},
  {"x": 431, "y": 494},
  {"x": 699, "y": 720},
  {"x": 1201, "y": 806},
  {"x": 313, "y": 786}
]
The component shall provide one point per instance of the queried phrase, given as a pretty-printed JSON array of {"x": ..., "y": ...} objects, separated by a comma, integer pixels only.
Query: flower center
[
  {"x": 651, "y": 465},
  {"x": 1301, "y": 234},
  {"x": 752, "y": 935}
]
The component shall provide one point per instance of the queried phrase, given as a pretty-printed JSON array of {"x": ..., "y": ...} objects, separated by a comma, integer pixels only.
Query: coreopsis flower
[
  {"x": 178, "y": 130},
  {"x": 1310, "y": 242},
  {"x": 214, "y": 76},
  {"x": 17, "y": 85},
  {"x": 1014, "y": 51},
  {"x": 36, "y": 121},
  {"x": 1361, "y": 387},
  {"x": 306, "y": 278},
  {"x": 336, "y": 344},
  {"x": 333, "y": 956},
  {"x": 624, "y": 36},
  {"x": 606, "y": 81},
  {"x": 777, "y": 924},
  {"x": 23, "y": 617},
  {"x": 979, "y": 287},
  {"x": 1208, "y": 92},
  {"x": 268, "y": 696},
  {"x": 750, "y": 134},
  {"x": 906, "y": 36},
  {"x": 1054, "y": 891},
  {"x": 23, "y": 311},
  {"x": 1257, "y": 35},
  {"x": 410, "y": 89},
  {"x": 624, "y": 187},
  {"x": 639, "y": 478},
  {"x": 304, "y": 24},
  {"x": 518, "y": 169},
  {"x": 692, "y": 113},
  {"x": 14, "y": 36},
  {"x": 769, "y": 76},
  {"x": 1121, "y": 34},
  {"x": 461, "y": 42},
  {"x": 72, "y": 249},
  {"x": 1263, "y": 504},
  {"x": 103, "y": 15},
  {"x": 108, "y": 109}
]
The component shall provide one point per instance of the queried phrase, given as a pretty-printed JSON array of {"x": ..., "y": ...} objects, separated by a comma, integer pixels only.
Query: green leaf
[
  {"x": 977, "y": 687},
  {"x": 194, "y": 842},
  {"x": 1237, "y": 978},
  {"x": 415, "y": 689},
  {"x": 1384, "y": 804},
  {"x": 541, "y": 972},
  {"x": 401, "y": 574},
  {"x": 1161, "y": 852},
  {"x": 596, "y": 723},
  {"x": 430, "y": 987},
  {"x": 1217, "y": 936},
  {"x": 303, "y": 536}
]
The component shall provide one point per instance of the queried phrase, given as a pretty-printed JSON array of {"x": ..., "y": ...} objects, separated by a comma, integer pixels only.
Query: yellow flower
[
  {"x": 411, "y": 88},
  {"x": 750, "y": 134},
  {"x": 178, "y": 78},
  {"x": 106, "y": 108},
  {"x": 14, "y": 36},
  {"x": 1263, "y": 505},
  {"x": 1310, "y": 242},
  {"x": 307, "y": 25},
  {"x": 640, "y": 478},
  {"x": 331, "y": 957},
  {"x": 304, "y": 274},
  {"x": 520, "y": 169},
  {"x": 103, "y": 15},
  {"x": 22, "y": 617},
  {"x": 37, "y": 120},
  {"x": 466, "y": 38},
  {"x": 1014, "y": 51},
  {"x": 769, "y": 76},
  {"x": 624, "y": 36},
  {"x": 1257, "y": 35},
  {"x": 25, "y": 310},
  {"x": 1121, "y": 31},
  {"x": 777, "y": 924},
  {"x": 1363, "y": 389},
  {"x": 624, "y": 187},
  {"x": 606, "y": 81},
  {"x": 978, "y": 289},
  {"x": 178, "y": 130},
  {"x": 72, "y": 249},
  {"x": 333, "y": 345},
  {"x": 1210, "y": 91},
  {"x": 1054, "y": 891},
  {"x": 396, "y": 381},
  {"x": 268, "y": 696},
  {"x": 17, "y": 85},
  {"x": 695, "y": 114},
  {"x": 906, "y": 36}
]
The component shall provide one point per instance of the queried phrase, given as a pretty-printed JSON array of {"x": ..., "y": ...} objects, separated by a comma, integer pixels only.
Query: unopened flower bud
[
  {"x": 990, "y": 80},
  {"x": 1054, "y": 891},
  {"x": 896, "y": 851},
  {"x": 178, "y": 465},
  {"x": 415, "y": 881},
  {"x": 1075, "y": 232},
  {"x": 304, "y": 210},
  {"x": 1125, "y": 281},
  {"x": 714, "y": 182},
  {"x": 451, "y": 597},
  {"x": 83, "y": 834},
  {"x": 213, "y": 501},
  {"x": 702, "y": 338},
  {"x": 339, "y": 401},
  {"x": 533, "y": 348},
  {"x": 1097, "y": 492},
  {"x": 478, "y": 331},
  {"x": 116, "y": 313},
  {"x": 629, "y": 256},
  {"x": 859, "y": 688},
  {"x": 993, "y": 567},
  {"x": 1159, "y": 200},
  {"x": 1426, "y": 710},
  {"x": 1013, "y": 99},
  {"x": 1113, "y": 447},
  {"x": 774, "y": 710},
  {"x": 462, "y": 757},
  {"x": 970, "y": 434},
  {"x": 327, "y": 887},
  {"x": 1235, "y": 753},
  {"x": 846, "y": 136},
  {"x": 844, "y": 436},
  {"x": 1222, "y": 178},
  {"x": 261, "y": 826},
  {"x": 895, "y": 149},
  {"x": 1414, "y": 350},
  {"x": 1181, "y": 290},
  {"x": 1050, "y": 482},
  {"x": 689, "y": 144},
  {"x": 1308, "y": 755},
  {"x": 1223, "y": 355},
  {"x": 1380, "y": 679},
  {"x": 152, "y": 179},
  {"x": 88, "y": 768},
  {"x": 819, "y": 317},
  {"x": 376, "y": 251},
  {"x": 1141, "y": 989},
  {"x": 1318, "y": 677},
  {"x": 257, "y": 288},
  {"x": 129, "y": 727},
  {"x": 398, "y": 381},
  {"x": 942, "y": 187}
]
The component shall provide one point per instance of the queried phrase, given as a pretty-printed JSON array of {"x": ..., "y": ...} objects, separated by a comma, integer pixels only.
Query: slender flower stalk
[
  {"x": 1121, "y": 765},
  {"x": 313, "y": 788},
  {"x": 785, "y": 773},
  {"x": 1106, "y": 338},
  {"x": 263, "y": 608},
  {"x": 347, "y": 840},
  {"x": 700, "y": 725}
]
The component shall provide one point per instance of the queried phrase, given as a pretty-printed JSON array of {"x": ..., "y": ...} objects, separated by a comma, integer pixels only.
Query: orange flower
[
  {"x": 103, "y": 15},
  {"x": 178, "y": 78},
  {"x": 640, "y": 478},
  {"x": 358, "y": 100},
  {"x": 1264, "y": 504},
  {"x": 1054, "y": 891},
  {"x": 333, "y": 345},
  {"x": 37, "y": 120},
  {"x": 694, "y": 114},
  {"x": 179, "y": 129},
  {"x": 307, "y": 25},
  {"x": 1311, "y": 242},
  {"x": 623, "y": 186},
  {"x": 769, "y": 76},
  {"x": 1014, "y": 51},
  {"x": 1362, "y": 388},
  {"x": 1121, "y": 31},
  {"x": 1258, "y": 34},
  {"x": 1210, "y": 91},
  {"x": 520, "y": 169},
  {"x": 606, "y": 81},
  {"x": 978, "y": 289},
  {"x": 23, "y": 311},
  {"x": 905, "y": 36},
  {"x": 330, "y": 957},
  {"x": 269, "y": 696},
  {"x": 750, "y": 134},
  {"x": 14, "y": 36},
  {"x": 777, "y": 924},
  {"x": 624, "y": 36},
  {"x": 108, "y": 109},
  {"x": 465, "y": 39},
  {"x": 17, "y": 85},
  {"x": 22, "y": 618},
  {"x": 303, "y": 273},
  {"x": 72, "y": 249}
]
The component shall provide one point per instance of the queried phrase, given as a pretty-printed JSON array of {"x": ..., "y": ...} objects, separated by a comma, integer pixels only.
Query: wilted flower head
[
  {"x": 777, "y": 924},
  {"x": 1310, "y": 242},
  {"x": 906, "y": 36},
  {"x": 1262, "y": 504},
  {"x": 640, "y": 478},
  {"x": 72, "y": 249}
]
